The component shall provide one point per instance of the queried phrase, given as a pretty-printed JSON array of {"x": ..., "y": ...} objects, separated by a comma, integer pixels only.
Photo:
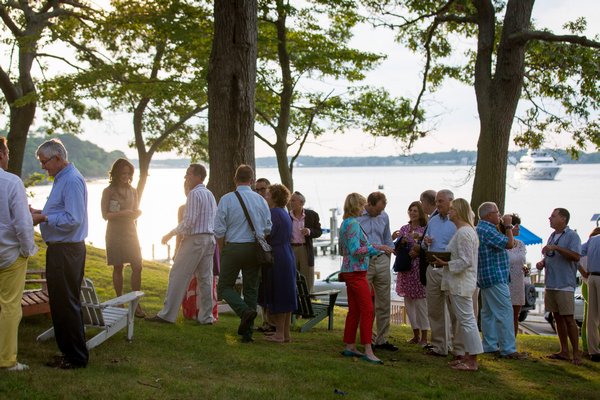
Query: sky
[{"x": 455, "y": 124}]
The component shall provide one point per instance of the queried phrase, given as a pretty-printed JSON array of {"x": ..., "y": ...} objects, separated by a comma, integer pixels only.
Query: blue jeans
[{"x": 497, "y": 320}]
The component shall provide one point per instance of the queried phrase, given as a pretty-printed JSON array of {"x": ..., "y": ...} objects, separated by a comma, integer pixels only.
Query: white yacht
[{"x": 538, "y": 165}]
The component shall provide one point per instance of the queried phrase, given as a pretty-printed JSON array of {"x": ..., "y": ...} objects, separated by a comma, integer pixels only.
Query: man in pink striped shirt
[{"x": 195, "y": 255}]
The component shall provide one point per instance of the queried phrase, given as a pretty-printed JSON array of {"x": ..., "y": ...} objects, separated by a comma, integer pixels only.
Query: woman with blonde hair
[
  {"x": 356, "y": 250},
  {"x": 460, "y": 280},
  {"x": 119, "y": 206}
]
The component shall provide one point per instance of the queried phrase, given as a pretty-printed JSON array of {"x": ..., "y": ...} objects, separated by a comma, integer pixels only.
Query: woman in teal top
[{"x": 356, "y": 250}]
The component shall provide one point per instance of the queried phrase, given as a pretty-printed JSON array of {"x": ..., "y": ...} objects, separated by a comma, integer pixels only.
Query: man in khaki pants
[
  {"x": 16, "y": 245},
  {"x": 376, "y": 225}
]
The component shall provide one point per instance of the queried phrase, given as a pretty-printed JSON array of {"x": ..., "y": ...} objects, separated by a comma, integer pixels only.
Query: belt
[
  {"x": 436, "y": 266},
  {"x": 298, "y": 244},
  {"x": 62, "y": 243},
  {"x": 595, "y": 273}
]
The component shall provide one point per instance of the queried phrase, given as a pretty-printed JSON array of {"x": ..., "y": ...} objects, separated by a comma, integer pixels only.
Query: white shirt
[
  {"x": 16, "y": 224},
  {"x": 460, "y": 275}
]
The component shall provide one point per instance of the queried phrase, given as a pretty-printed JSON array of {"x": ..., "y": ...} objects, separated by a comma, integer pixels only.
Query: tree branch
[
  {"x": 266, "y": 118},
  {"x": 60, "y": 58},
  {"x": 258, "y": 135},
  {"x": 525, "y": 36},
  {"x": 9, "y": 22},
  {"x": 7, "y": 87},
  {"x": 156, "y": 144}
]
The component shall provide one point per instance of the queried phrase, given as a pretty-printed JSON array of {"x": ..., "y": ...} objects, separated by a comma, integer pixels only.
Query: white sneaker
[{"x": 18, "y": 367}]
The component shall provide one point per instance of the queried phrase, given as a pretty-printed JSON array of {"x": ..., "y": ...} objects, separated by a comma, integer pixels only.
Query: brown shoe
[{"x": 515, "y": 356}]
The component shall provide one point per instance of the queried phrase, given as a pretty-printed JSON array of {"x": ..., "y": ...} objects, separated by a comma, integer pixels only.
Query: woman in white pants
[{"x": 460, "y": 280}]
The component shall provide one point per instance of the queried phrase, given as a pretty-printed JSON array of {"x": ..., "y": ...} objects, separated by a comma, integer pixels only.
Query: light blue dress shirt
[
  {"x": 66, "y": 208},
  {"x": 231, "y": 223},
  {"x": 377, "y": 228},
  {"x": 441, "y": 230},
  {"x": 591, "y": 249}
]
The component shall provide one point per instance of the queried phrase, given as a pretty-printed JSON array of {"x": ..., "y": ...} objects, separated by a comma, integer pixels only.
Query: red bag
[{"x": 189, "y": 304}]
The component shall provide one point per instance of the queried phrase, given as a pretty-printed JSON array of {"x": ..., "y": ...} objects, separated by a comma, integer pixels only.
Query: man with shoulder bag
[{"x": 237, "y": 240}]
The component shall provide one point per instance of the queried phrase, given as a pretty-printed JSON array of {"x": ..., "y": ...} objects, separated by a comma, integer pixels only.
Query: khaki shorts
[{"x": 560, "y": 301}]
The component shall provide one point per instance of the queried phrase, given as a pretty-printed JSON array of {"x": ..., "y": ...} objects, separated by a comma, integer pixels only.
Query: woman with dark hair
[
  {"x": 356, "y": 250},
  {"x": 517, "y": 257},
  {"x": 119, "y": 206},
  {"x": 280, "y": 282},
  {"x": 408, "y": 283}
]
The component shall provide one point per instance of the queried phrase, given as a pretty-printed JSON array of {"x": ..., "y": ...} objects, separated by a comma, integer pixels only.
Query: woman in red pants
[{"x": 356, "y": 250}]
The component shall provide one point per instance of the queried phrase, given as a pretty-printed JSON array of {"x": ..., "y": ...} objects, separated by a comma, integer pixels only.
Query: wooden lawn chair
[
  {"x": 109, "y": 317},
  {"x": 315, "y": 312},
  {"x": 35, "y": 296}
]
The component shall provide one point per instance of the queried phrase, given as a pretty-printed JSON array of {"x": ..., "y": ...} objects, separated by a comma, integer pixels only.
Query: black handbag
[
  {"x": 423, "y": 263},
  {"x": 264, "y": 255},
  {"x": 403, "y": 262}
]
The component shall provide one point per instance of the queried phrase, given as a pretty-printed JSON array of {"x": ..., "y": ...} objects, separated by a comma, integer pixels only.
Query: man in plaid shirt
[{"x": 492, "y": 278}]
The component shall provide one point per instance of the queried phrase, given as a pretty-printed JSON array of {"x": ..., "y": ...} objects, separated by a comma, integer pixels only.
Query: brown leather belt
[{"x": 298, "y": 244}]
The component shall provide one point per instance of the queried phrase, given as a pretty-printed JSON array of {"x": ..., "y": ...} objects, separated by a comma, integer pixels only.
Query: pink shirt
[{"x": 297, "y": 226}]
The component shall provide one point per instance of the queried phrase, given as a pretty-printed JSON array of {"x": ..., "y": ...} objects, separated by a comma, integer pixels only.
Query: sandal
[
  {"x": 558, "y": 356},
  {"x": 274, "y": 339},
  {"x": 461, "y": 366}
]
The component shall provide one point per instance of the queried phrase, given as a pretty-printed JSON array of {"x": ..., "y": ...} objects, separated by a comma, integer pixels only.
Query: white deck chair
[{"x": 109, "y": 317}]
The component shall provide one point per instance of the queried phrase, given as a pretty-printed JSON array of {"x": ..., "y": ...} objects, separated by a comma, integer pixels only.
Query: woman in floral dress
[{"x": 408, "y": 284}]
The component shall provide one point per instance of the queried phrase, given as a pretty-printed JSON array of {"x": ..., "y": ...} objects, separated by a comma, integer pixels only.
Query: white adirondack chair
[{"x": 109, "y": 317}]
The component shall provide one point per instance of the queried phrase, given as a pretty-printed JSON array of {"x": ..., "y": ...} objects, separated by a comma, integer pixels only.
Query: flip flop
[
  {"x": 370, "y": 360},
  {"x": 350, "y": 353},
  {"x": 558, "y": 356},
  {"x": 274, "y": 339},
  {"x": 464, "y": 367}
]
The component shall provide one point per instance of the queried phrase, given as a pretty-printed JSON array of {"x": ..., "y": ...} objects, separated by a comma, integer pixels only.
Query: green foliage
[
  {"x": 302, "y": 42},
  {"x": 148, "y": 58},
  {"x": 560, "y": 82}
]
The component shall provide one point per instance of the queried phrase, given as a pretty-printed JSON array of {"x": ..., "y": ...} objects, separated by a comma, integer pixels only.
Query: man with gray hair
[
  {"x": 492, "y": 278},
  {"x": 195, "y": 255},
  {"x": 306, "y": 226},
  {"x": 16, "y": 246},
  {"x": 64, "y": 226},
  {"x": 437, "y": 235}
]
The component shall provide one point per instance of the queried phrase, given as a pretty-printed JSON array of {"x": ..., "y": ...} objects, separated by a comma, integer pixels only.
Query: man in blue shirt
[
  {"x": 492, "y": 278},
  {"x": 64, "y": 226},
  {"x": 561, "y": 255},
  {"x": 438, "y": 233},
  {"x": 376, "y": 225},
  {"x": 591, "y": 249},
  {"x": 237, "y": 242}
]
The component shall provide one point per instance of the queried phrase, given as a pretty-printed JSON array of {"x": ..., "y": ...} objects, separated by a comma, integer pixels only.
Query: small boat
[{"x": 538, "y": 165}]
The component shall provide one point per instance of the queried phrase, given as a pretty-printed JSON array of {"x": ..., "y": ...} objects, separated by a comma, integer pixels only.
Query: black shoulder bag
[{"x": 264, "y": 255}]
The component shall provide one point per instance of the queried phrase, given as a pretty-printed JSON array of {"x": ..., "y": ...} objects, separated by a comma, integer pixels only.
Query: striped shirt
[
  {"x": 493, "y": 266},
  {"x": 199, "y": 215}
]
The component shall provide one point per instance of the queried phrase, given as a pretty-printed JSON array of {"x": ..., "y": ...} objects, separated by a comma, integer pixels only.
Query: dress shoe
[
  {"x": 595, "y": 357},
  {"x": 156, "y": 318},
  {"x": 386, "y": 346},
  {"x": 246, "y": 321},
  {"x": 61, "y": 362}
]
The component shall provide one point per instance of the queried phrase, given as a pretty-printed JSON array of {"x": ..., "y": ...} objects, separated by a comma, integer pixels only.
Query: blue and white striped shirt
[{"x": 199, "y": 215}]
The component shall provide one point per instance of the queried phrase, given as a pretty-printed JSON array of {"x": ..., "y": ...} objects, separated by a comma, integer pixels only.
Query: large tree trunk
[
  {"x": 497, "y": 98},
  {"x": 231, "y": 91},
  {"x": 21, "y": 119},
  {"x": 285, "y": 173}
]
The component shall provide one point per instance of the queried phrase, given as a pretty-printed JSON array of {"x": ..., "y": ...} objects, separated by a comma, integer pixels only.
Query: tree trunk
[
  {"x": 21, "y": 119},
  {"x": 231, "y": 91},
  {"x": 285, "y": 172},
  {"x": 497, "y": 101}
]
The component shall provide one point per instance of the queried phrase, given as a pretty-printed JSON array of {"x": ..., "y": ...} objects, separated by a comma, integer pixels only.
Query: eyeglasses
[{"x": 43, "y": 163}]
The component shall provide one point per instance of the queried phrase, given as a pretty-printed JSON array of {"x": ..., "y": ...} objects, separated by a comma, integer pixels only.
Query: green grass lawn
[{"x": 188, "y": 361}]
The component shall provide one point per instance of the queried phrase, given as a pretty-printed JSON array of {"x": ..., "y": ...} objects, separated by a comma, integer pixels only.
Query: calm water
[{"x": 576, "y": 188}]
